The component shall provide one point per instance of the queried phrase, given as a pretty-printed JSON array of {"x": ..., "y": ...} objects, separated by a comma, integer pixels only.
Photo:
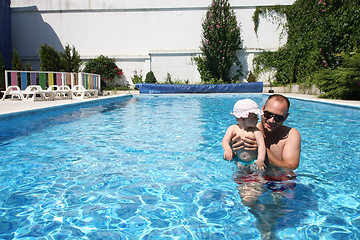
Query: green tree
[
  {"x": 16, "y": 62},
  {"x": 70, "y": 60},
  {"x": 251, "y": 77},
  {"x": 150, "y": 77},
  {"x": 104, "y": 66},
  {"x": 49, "y": 58},
  {"x": 28, "y": 67},
  {"x": 220, "y": 41}
]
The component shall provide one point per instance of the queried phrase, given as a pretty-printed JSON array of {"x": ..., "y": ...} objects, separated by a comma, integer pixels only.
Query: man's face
[{"x": 275, "y": 113}]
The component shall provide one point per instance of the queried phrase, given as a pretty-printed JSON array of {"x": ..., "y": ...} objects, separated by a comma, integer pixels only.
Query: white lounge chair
[
  {"x": 78, "y": 91},
  {"x": 61, "y": 92},
  {"x": 35, "y": 92},
  {"x": 65, "y": 91},
  {"x": 13, "y": 93}
]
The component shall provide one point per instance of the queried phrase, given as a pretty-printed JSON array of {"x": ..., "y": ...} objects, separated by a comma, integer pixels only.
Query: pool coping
[
  {"x": 314, "y": 98},
  {"x": 13, "y": 108}
]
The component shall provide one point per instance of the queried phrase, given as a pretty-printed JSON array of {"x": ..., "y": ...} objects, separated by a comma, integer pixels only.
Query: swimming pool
[{"x": 151, "y": 167}]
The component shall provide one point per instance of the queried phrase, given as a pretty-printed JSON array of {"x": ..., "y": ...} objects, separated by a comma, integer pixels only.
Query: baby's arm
[
  {"x": 261, "y": 149},
  {"x": 228, "y": 152}
]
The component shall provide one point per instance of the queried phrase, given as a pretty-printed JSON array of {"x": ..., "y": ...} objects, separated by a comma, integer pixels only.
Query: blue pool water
[{"x": 151, "y": 167}]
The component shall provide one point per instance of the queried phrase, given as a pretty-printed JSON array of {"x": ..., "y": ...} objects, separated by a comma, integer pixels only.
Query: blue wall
[{"x": 5, "y": 32}]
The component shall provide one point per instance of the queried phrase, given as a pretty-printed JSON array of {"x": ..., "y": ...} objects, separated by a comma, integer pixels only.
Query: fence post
[
  {"x": 6, "y": 79},
  {"x": 80, "y": 78}
]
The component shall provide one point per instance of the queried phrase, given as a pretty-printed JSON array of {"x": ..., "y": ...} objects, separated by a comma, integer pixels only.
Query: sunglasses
[{"x": 278, "y": 118}]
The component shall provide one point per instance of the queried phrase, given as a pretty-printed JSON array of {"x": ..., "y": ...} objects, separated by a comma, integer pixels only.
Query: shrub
[
  {"x": 104, "y": 66},
  {"x": 116, "y": 88},
  {"x": 203, "y": 69},
  {"x": 70, "y": 60},
  {"x": 168, "y": 79},
  {"x": 220, "y": 41},
  {"x": 49, "y": 58},
  {"x": 150, "y": 77},
  {"x": 137, "y": 77},
  {"x": 342, "y": 82},
  {"x": 16, "y": 62},
  {"x": 28, "y": 67},
  {"x": 251, "y": 77}
]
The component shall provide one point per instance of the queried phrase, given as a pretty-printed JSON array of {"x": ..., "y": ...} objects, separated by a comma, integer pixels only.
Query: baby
[{"x": 246, "y": 112}]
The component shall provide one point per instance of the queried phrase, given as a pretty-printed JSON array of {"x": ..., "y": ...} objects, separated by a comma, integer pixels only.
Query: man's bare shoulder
[
  {"x": 291, "y": 137},
  {"x": 293, "y": 133},
  {"x": 294, "y": 136}
]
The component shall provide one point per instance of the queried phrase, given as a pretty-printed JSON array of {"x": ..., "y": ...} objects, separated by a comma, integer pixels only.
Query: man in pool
[{"x": 283, "y": 144}]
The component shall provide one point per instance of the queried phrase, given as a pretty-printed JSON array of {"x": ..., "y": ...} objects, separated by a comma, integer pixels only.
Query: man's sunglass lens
[{"x": 278, "y": 118}]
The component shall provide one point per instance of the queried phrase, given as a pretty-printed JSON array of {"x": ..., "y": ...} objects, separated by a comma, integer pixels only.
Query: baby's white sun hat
[{"x": 243, "y": 107}]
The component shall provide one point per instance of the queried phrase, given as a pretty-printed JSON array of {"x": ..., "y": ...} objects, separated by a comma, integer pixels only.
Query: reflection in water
[{"x": 276, "y": 202}]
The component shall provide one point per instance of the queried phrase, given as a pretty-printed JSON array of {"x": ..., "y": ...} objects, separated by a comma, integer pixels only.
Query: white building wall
[{"x": 157, "y": 35}]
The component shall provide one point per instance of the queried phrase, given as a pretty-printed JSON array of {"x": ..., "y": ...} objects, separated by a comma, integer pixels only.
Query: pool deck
[
  {"x": 348, "y": 103},
  {"x": 13, "y": 106}
]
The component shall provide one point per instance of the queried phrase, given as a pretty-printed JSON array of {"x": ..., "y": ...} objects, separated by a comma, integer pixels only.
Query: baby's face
[{"x": 251, "y": 120}]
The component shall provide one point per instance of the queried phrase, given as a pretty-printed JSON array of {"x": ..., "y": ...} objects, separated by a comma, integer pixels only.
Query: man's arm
[{"x": 291, "y": 152}]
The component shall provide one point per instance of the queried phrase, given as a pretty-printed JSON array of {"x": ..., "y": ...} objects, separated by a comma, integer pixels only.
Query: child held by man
[{"x": 246, "y": 113}]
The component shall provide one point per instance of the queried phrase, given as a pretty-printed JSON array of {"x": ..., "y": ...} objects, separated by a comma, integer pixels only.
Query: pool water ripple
[{"x": 151, "y": 167}]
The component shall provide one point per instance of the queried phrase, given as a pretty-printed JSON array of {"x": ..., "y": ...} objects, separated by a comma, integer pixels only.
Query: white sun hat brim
[{"x": 244, "y": 107}]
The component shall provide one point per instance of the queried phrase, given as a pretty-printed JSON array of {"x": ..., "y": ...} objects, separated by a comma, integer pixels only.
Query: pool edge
[
  {"x": 312, "y": 98},
  {"x": 12, "y": 115}
]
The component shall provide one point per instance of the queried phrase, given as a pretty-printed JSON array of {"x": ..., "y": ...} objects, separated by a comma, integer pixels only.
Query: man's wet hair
[{"x": 280, "y": 98}]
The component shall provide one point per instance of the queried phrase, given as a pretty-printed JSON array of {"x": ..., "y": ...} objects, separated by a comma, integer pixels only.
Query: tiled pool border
[{"x": 12, "y": 115}]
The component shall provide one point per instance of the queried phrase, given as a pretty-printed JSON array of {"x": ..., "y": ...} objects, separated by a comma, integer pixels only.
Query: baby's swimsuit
[{"x": 244, "y": 162}]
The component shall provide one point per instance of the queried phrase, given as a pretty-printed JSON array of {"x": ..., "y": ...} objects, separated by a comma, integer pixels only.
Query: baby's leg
[{"x": 250, "y": 192}]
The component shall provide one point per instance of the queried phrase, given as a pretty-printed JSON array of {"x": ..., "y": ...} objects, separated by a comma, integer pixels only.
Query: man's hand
[
  {"x": 248, "y": 143},
  {"x": 237, "y": 143}
]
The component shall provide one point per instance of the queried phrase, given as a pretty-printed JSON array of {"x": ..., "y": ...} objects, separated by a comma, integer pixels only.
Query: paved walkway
[
  {"x": 352, "y": 103},
  {"x": 12, "y": 106}
]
